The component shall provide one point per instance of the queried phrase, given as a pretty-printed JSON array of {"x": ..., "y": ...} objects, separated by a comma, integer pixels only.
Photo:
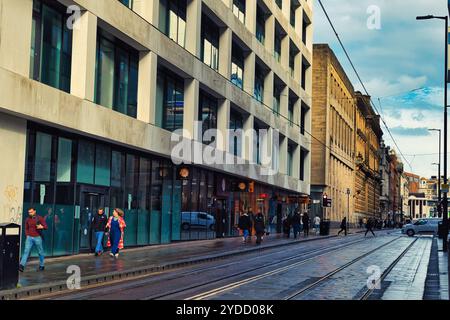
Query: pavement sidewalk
[{"x": 139, "y": 261}]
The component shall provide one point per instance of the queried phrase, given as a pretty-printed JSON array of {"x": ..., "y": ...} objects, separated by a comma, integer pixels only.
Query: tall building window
[
  {"x": 291, "y": 112},
  {"x": 276, "y": 100},
  {"x": 170, "y": 100},
  {"x": 259, "y": 84},
  {"x": 235, "y": 138},
  {"x": 306, "y": 24},
  {"x": 277, "y": 47},
  {"x": 256, "y": 145},
  {"x": 207, "y": 113},
  {"x": 260, "y": 25},
  {"x": 51, "y": 45},
  {"x": 117, "y": 75},
  {"x": 237, "y": 66},
  {"x": 279, "y": 4},
  {"x": 305, "y": 68},
  {"x": 210, "y": 43},
  {"x": 303, "y": 155},
  {"x": 172, "y": 20},
  {"x": 304, "y": 112},
  {"x": 290, "y": 159},
  {"x": 128, "y": 3},
  {"x": 293, "y": 52},
  {"x": 293, "y": 11},
  {"x": 239, "y": 9}
]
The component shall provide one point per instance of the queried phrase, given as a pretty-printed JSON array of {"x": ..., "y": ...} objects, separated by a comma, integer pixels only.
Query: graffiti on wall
[{"x": 12, "y": 208}]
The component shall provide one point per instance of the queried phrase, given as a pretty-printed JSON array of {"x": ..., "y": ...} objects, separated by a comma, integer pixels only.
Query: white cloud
[{"x": 405, "y": 54}]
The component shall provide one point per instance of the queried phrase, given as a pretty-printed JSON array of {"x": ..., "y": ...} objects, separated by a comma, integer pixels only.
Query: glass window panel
[
  {"x": 86, "y": 158},
  {"x": 51, "y": 46},
  {"x": 116, "y": 169},
  {"x": 133, "y": 86},
  {"x": 64, "y": 164},
  {"x": 181, "y": 32},
  {"x": 103, "y": 165},
  {"x": 105, "y": 76},
  {"x": 173, "y": 26},
  {"x": 207, "y": 52},
  {"x": 43, "y": 157},
  {"x": 121, "y": 101}
]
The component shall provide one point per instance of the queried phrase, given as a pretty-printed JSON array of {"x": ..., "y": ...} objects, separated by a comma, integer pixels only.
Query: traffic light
[{"x": 326, "y": 202}]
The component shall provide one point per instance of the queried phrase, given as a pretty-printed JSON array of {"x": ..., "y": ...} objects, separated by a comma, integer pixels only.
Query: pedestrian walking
[
  {"x": 98, "y": 226},
  {"x": 343, "y": 226},
  {"x": 369, "y": 227},
  {"x": 260, "y": 227},
  {"x": 34, "y": 225},
  {"x": 116, "y": 226},
  {"x": 306, "y": 221},
  {"x": 245, "y": 225},
  {"x": 296, "y": 223},
  {"x": 317, "y": 225},
  {"x": 287, "y": 226}
]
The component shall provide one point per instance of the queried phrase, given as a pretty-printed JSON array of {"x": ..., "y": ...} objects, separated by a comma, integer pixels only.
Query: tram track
[
  {"x": 231, "y": 286},
  {"x": 147, "y": 280}
]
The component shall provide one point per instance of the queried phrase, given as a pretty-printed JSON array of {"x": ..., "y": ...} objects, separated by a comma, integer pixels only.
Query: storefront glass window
[
  {"x": 155, "y": 216},
  {"x": 43, "y": 157},
  {"x": 64, "y": 166},
  {"x": 102, "y": 165},
  {"x": 131, "y": 204},
  {"x": 143, "y": 198},
  {"x": 86, "y": 159}
]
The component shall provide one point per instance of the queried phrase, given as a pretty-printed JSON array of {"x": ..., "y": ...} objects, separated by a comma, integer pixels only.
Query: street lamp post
[
  {"x": 445, "y": 200},
  {"x": 348, "y": 209},
  {"x": 439, "y": 175},
  {"x": 438, "y": 189}
]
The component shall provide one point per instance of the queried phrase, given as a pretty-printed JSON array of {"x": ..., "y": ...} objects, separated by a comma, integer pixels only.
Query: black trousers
[{"x": 369, "y": 229}]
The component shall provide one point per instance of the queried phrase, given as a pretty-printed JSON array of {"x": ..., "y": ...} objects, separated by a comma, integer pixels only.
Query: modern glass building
[{"x": 92, "y": 93}]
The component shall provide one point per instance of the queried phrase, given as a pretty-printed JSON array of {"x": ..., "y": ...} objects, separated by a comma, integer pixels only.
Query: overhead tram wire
[{"x": 361, "y": 82}]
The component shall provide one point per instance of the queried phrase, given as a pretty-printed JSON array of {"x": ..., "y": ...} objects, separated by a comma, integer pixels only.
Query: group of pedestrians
[
  {"x": 101, "y": 225},
  {"x": 299, "y": 223},
  {"x": 248, "y": 221}
]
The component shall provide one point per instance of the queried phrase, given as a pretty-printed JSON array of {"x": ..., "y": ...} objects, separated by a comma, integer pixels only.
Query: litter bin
[
  {"x": 9, "y": 255},
  {"x": 325, "y": 227},
  {"x": 440, "y": 230}
]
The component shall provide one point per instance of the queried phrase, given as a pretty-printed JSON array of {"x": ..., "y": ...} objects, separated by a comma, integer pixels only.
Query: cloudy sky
[{"x": 401, "y": 65}]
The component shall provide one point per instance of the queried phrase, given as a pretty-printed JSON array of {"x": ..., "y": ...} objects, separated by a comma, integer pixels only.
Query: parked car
[
  {"x": 426, "y": 225},
  {"x": 194, "y": 219}
]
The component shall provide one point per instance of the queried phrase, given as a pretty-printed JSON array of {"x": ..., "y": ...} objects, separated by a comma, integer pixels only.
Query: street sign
[{"x": 444, "y": 188}]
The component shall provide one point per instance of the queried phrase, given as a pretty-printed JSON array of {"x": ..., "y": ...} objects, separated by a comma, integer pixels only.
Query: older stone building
[
  {"x": 333, "y": 126},
  {"x": 92, "y": 91},
  {"x": 368, "y": 135}
]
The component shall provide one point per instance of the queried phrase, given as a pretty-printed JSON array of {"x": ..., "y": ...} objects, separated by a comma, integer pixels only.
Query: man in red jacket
[{"x": 34, "y": 225}]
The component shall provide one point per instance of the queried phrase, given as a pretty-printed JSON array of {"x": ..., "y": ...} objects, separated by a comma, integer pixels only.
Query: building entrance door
[{"x": 90, "y": 202}]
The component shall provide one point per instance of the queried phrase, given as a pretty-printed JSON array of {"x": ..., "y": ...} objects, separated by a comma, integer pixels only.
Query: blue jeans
[
  {"x": 99, "y": 236},
  {"x": 29, "y": 243},
  {"x": 296, "y": 228},
  {"x": 115, "y": 239}
]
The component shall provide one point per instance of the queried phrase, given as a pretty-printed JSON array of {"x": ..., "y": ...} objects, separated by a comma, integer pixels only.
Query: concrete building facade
[{"x": 93, "y": 90}]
